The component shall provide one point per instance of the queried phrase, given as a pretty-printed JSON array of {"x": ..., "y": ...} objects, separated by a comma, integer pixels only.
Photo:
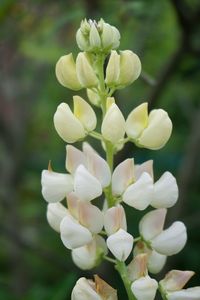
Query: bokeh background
[{"x": 34, "y": 264}]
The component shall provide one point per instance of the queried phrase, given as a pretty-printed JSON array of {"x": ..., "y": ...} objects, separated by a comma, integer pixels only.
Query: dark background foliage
[{"x": 33, "y": 35}]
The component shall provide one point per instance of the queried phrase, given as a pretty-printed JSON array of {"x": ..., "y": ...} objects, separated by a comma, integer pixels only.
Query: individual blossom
[
  {"x": 149, "y": 131},
  {"x": 90, "y": 255},
  {"x": 93, "y": 290},
  {"x": 173, "y": 283},
  {"x": 144, "y": 288},
  {"x": 97, "y": 36},
  {"x": 72, "y": 127},
  {"x": 167, "y": 242}
]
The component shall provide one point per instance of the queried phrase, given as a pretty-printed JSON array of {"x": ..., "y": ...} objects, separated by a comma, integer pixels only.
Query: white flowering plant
[{"x": 96, "y": 233}]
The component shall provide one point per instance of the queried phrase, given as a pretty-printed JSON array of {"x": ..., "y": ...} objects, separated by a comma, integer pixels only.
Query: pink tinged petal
[
  {"x": 172, "y": 240},
  {"x": 123, "y": 176},
  {"x": 69, "y": 128},
  {"x": 73, "y": 205},
  {"x": 74, "y": 158},
  {"x": 86, "y": 186},
  {"x": 175, "y": 280},
  {"x": 84, "y": 113},
  {"x": 139, "y": 194},
  {"x": 152, "y": 223},
  {"x": 90, "y": 255},
  {"x": 55, "y": 186},
  {"x": 55, "y": 213},
  {"x": 144, "y": 288},
  {"x": 185, "y": 294},
  {"x": 96, "y": 165},
  {"x": 74, "y": 235},
  {"x": 165, "y": 191},
  {"x": 90, "y": 216},
  {"x": 84, "y": 290},
  {"x": 147, "y": 167},
  {"x": 156, "y": 262},
  {"x": 114, "y": 219},
  {"x": 120, "y": 244},
  {"x": 137, "y": 267}
]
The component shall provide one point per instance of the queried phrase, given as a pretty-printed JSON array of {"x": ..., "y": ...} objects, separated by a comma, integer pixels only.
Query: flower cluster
[{"x": 91, "y": 232}]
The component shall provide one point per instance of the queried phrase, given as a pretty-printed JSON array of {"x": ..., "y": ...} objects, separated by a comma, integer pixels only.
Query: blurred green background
[{"x": 34, "y": 264}]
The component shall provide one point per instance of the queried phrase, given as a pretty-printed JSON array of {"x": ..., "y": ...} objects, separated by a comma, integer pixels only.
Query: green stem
[
  {"x": 111, "y": 260},
  {"x": 122, "y": 270},
  {"x": 96, "y": 135}
]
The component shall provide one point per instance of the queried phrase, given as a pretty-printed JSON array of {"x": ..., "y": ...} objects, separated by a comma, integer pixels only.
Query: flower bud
[
  {"x": 139, "y": 194},
  {"x": 172, "y": 240},
  {"x": 165, "y": 191},
  {"x": 55, "y": 186},
  {"x": 84, "y": 113},
  {"x": 113, "y": 69},
  {"x": 94, "y": 38},
  {"x": 185, "y": 294},
  {"x": 144, "y": 288},
  {"x": 151, "y": 131},
  {"x": 175, "y": 280},
  {"x": 74, "y": 235},
  {"x": 90, "y": 255},
  {"x": 113, "y": 126},
  {"x": 120, "y": 244},
  {"x": 130, "y": 68},
  {"x": 114, "y": 219},
  {"x": 66, "y": 72},
  {"x": 93, "y": 98},
  {"x": 123, "y": 176},
  {"x": 69, "y": 128},
  {"x": 110, "y": 36},
  {"x": 55, "y": 213},
  {"x": 86, "y": 186},
  {"x": 85, "y": 72}
]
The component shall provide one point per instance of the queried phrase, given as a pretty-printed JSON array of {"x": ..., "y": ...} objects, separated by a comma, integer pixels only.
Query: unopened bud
[
  {"x": 113, "y": 69},
  {"x": 85, "y": 72}
]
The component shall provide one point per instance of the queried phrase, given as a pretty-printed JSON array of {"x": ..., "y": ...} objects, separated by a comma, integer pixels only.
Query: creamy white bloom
[
  {"x": 74, "y": 235},
  {"x": 172, "y": 240},
  {"x": 120, "y": 244},
  {"x": 185, "y": 294},
  {"x": 139, "y": 194},
  {"x": 144, "y": 288},
  {"x": 165, "y": 191},
  {"x": 66, "y": 72},
  {"x": 85, "y": 73},
  {"x": 114, "y": 219},
  {"x": 113, "y": 125},
  {"x": 123, "y": 176},
  {"x": 130, "y": 68},
  {"x": 90, "y": 255},
  {"x": 69, "y": 127},
  {"x": 55, "y": 213},
  {"x": 85, "y": 290},
  {"x": 55, "y": 186},
  {"x": 86, "y": 186},
  {"x": 149, "y": 131}
]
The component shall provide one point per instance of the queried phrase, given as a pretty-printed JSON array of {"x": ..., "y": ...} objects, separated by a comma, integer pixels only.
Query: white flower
[
  {"x": 120, "y": 244},
  {"x": 55, "y": 186},
  {"x": 90, "y": 255},
  {"x": 55, "y": 213},
  {"x": 149, "y": 131},
  {"x": 167, "y": 242},
  {"x": 144, "y": 288},
  {"x": 175, "y": 280}
]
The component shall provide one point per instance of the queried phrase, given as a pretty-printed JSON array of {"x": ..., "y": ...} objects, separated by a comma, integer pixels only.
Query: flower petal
[
  {"x": 185, "y": 294},
  {"x": 156, "y": 262},
  {"x": 123, "y": 176},
  {"x": 74, "y": 235},
  {"x": 86, "y": 186},
  {"x": 74, "y": 158},
  {"x": 152, "y": 223},
  {"x": 165, "y": 191},
  {"x": 172, "y": 240},
  {"x": 137, "y": 121},
  {"x": 175, "y": 280},
  {"x": 144, "y": 288},
  {"x": 139, "y": 194},
  {"x": 55, "y": 213},
  {"x": 114, "y": 219},
  {"x": 147, "y": 167},
  {"x": 120, "y": 244},
  {"x": 84, "y": 290},
  {"x": 55, "y": 186}
]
